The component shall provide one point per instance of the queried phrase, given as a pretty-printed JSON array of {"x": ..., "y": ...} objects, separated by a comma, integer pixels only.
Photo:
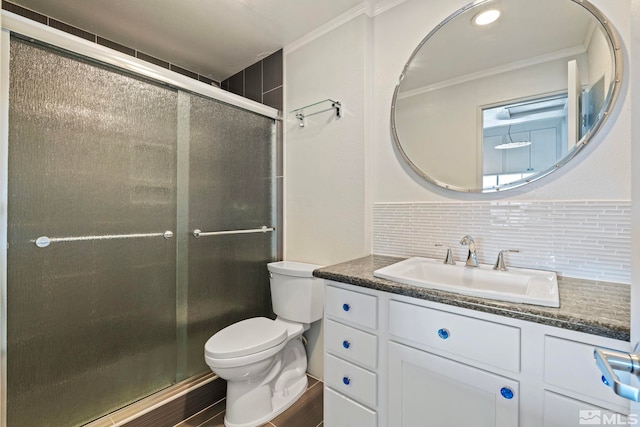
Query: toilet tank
[{"x": 295, "y": 294}]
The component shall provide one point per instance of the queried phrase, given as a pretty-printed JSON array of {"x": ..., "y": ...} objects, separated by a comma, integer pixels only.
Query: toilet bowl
[{"x": 264, "y": 360}]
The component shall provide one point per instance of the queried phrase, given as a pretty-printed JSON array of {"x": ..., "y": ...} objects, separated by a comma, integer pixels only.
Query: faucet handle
[
  {"x": 499, "y": 265},
  {"x": 448, "y": 259}
]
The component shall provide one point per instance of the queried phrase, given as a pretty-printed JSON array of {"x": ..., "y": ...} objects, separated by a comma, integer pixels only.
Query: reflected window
[{"x": 523, "y": 138}]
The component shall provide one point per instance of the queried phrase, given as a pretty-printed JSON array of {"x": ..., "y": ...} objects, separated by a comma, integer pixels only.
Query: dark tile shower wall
[
  {"x": 261, "y": 82},
  {"x": 43, "y": 19}
]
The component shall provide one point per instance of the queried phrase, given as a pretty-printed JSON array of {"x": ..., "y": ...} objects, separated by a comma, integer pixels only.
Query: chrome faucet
[
  {"x": 500, "y": 265},
  {"x": 472, "y": 257},
  {"x": 448, "y": 259}
]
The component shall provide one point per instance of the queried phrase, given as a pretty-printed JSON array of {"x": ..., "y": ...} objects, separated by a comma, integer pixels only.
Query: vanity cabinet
[{"x": 393, "y": 360}]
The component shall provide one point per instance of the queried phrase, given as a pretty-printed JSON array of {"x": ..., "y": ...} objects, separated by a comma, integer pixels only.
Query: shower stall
[{"x": 138, "y": 212}]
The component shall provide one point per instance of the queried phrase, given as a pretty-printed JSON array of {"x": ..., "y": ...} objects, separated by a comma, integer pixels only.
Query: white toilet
[{"x": 263, "y": 360}]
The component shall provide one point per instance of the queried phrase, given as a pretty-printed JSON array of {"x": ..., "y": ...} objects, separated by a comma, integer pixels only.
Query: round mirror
[{"x": 504, "y": 92}]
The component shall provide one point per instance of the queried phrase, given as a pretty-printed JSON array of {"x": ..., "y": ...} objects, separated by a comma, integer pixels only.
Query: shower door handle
[
  {"x": 199, "y": 233},
  {"x": 44, "y": 241}
]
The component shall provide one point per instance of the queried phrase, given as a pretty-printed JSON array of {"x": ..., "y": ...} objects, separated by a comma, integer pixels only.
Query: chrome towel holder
[{"x": 334, "y": 105}]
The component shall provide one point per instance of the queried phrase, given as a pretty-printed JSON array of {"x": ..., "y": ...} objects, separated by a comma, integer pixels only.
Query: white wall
[
  {"x": 327, "y": 203},
  {"x": 602, "y": 170},
  {"x": 326, "y": 161}
]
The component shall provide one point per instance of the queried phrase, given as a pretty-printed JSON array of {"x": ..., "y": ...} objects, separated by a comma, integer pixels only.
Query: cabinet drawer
[
  {"x": 479, "y": 340},
  {"x": 340, "y": 411},
  {"x": 350, "y": 343},
  {"x": 351, "y": 380},
  {"x": 571, "y": 366},
  {"x": 354, "y": 307}
]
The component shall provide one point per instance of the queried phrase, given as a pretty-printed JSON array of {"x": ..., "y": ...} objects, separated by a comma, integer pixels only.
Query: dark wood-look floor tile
[
  {"x": 204, "y": 415},
  {"x": 311, "y": 381},
  {"x": 306, "y": 412}
]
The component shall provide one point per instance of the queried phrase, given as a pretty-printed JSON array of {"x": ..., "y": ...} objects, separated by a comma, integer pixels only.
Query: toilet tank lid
[
  {"x": 246, "y": 337},
  {"x": 292, "y": 268}
]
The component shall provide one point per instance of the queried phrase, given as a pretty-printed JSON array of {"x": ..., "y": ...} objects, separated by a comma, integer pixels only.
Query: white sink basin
[{"x": 519, "y": 285}]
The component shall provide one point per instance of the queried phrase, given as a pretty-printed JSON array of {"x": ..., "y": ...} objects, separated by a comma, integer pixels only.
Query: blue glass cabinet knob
[
  {"x": 346, "y": 380},
  {"x": 346, "y": 307},
  {"x": 346, "y": 344},
  {"x": 506, "y": 392},
  {"x": 443, "y": 333},
  {"x": 604, "y": 380}
]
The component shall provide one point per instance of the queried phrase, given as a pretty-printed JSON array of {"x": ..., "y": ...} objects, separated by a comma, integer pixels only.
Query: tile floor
[{"x": 306, "y": 412}]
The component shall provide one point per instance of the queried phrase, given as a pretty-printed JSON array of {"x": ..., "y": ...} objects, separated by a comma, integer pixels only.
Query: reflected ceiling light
[
  {"x": 513, "y": 144},
  {"x": 486, "y": 17}
]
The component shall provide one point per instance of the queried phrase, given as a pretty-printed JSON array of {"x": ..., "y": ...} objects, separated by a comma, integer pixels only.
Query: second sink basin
[{"x": 519, "y": 285}]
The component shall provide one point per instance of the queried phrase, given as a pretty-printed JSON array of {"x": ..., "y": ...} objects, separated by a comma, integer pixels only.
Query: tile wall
[
  {"x": 582, "y": 239},
  {"x": 261, "y": 82},
  {"x": 19, "y": 10}
]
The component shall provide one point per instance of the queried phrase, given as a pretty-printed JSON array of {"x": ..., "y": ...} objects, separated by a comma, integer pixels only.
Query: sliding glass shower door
[
  {"x": 110, "y": 296},
  {"x": 231, "y": 188}
]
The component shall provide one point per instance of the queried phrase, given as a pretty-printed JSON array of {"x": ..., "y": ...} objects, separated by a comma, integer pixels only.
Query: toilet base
[
  {"x": 280, "y": 404},
  {"x": 254, "y": 401}
]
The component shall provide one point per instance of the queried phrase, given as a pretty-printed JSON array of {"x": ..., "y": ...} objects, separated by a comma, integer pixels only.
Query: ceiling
[{"x": 214, "y": 38}]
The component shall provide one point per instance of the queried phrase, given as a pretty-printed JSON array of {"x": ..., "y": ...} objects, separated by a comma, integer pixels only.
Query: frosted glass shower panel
[
  {"x": 231, "y": 175},
  {"x": 91, "y": 323},
  {"x": 231, "y": 187},
  {"x": 228, "y": 282}
]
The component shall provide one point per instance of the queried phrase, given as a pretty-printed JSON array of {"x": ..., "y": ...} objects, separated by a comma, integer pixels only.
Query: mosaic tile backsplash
[{"x": 582, "y": 239}]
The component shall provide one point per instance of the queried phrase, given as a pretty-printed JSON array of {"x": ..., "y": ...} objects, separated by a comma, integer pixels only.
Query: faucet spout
[{"x": 472, "y": 257}]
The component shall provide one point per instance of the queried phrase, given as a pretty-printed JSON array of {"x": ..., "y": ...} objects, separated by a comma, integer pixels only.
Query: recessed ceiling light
[{"x": 486, "y": 17}]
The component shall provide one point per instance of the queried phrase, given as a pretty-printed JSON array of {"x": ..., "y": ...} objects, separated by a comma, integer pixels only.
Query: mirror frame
[{"x": 612, "y": 95}]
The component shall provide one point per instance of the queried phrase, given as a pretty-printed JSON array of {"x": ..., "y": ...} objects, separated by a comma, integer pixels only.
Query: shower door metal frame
[
  {"x": 12, "y": 23},
  {"x": 4, "y": 224}
]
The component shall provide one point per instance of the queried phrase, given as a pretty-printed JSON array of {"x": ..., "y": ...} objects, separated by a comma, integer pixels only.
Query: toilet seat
[{"x": 244, "y": 338}]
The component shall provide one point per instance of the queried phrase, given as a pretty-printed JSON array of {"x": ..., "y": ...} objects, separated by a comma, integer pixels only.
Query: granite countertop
[{"x": 598, "y": 308}]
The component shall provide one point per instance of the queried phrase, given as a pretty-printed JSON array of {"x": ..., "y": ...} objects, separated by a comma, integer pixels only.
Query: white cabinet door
[
  {"x": 428, "y": 390},
  {"x": 563, "y": 411}
]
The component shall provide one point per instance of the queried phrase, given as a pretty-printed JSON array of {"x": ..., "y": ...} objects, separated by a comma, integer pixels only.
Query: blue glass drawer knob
[
  {"x": 506, "y": 392},
  {"x": 443, "y": 333},
  {"x": 346, "y": 307},
  {"x": 346, "y": 380},
  {"x": 346, "y": 344},
  {"x": 604, "y": 380}
]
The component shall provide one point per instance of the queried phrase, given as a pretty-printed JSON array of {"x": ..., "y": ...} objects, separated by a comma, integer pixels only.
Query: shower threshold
[{"x": 179, "y": 400}]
